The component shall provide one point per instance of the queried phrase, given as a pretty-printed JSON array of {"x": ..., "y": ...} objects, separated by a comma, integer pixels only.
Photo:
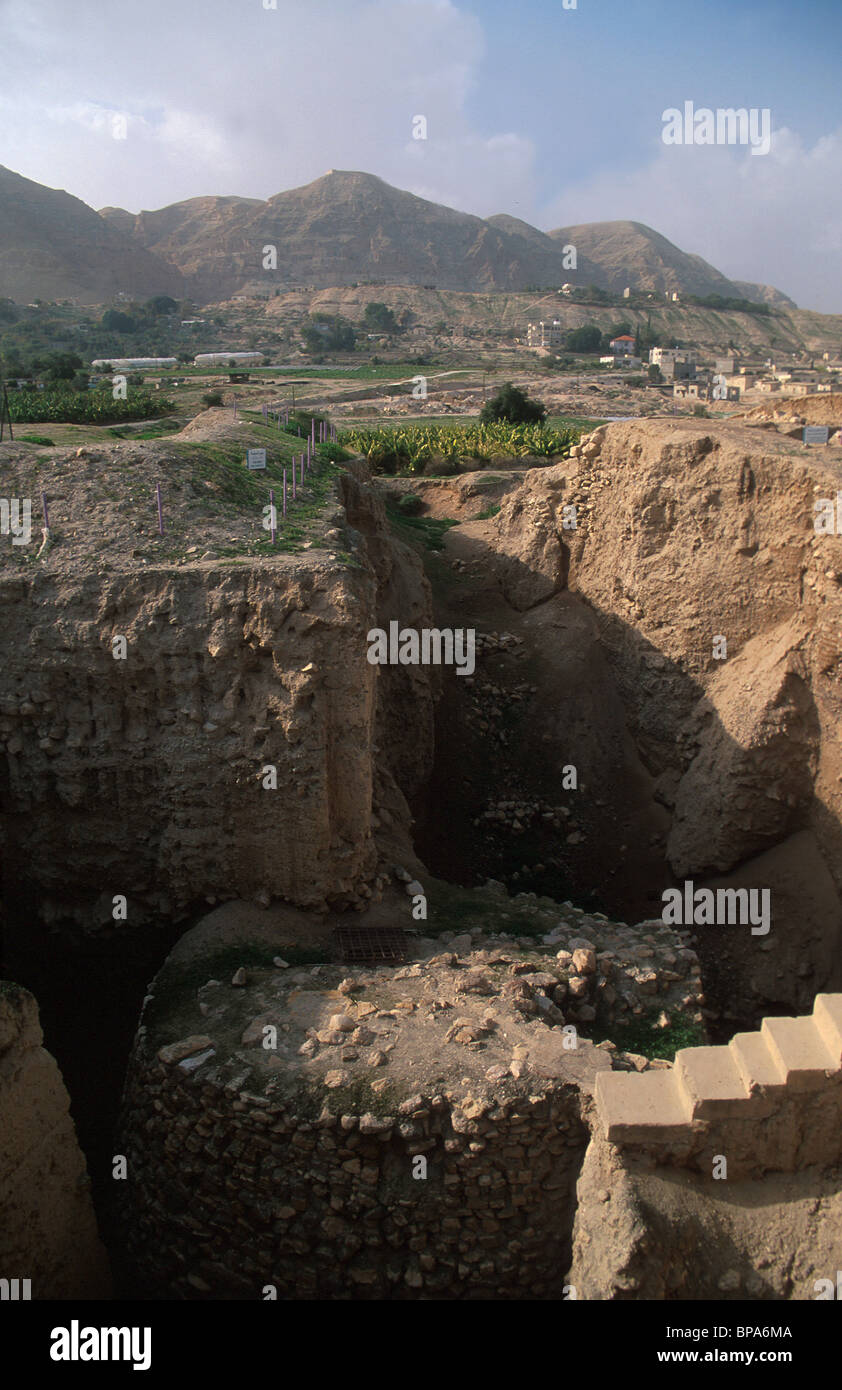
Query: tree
[
  {"x": 513, "y": 405},
  {"x": 378, "y": 318},
  {"x": 60, "y": 366},
  {"x": 328, "y": 332},
  {"x": 585, "y": 339},
  {"x": 117, "y": 322},
  {"x": 161, "y": 304}
]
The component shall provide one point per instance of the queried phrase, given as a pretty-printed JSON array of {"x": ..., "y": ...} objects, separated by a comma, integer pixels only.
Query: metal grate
[{"x": 367, "y": 945}]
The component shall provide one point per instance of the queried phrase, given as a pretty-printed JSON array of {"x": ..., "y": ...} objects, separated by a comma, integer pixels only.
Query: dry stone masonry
[{"x": 336, "y": 1132}]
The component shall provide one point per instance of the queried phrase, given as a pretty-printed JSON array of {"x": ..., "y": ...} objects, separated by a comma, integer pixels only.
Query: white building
[
  {"x": 221, "y": 359},
  {"x": 131, "y": 364}
]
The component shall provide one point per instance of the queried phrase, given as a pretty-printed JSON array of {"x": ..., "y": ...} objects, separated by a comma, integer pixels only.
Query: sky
[{"x": 551, "y": 113}]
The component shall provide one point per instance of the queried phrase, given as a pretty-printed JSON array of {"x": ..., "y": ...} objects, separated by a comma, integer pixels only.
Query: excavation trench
[
  {"x": 536, "y": 781},
  {"x": 546, "y": 775},
  {"x": 539, "y": 782}
]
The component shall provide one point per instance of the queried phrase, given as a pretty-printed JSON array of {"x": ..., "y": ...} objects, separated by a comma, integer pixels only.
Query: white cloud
[
  {"x": 776, "y": 218},
  {"x": 223, "y": 96},
  {"x": 226, "y": 97}
]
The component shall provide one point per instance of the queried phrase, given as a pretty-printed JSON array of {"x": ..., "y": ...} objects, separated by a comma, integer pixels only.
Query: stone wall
[
  {"x": 230, "y": 1192},
  {"x": 48, "y": 1231},
  {"x": 274, "y": 1116}
]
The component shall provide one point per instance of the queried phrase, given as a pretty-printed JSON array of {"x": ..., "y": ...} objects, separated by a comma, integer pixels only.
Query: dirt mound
[{"x": 825, "y": 409}]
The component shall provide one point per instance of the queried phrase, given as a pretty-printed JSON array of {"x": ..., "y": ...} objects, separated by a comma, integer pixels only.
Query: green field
[{"x": 411, "y": 448}]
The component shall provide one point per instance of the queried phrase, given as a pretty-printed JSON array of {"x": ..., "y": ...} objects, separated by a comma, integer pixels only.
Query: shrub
[
  {"x": 410, "y": 504},
  {"x": 84, "y": 408},
  {"x": 211, "y": 398},
  {"x": 514, "y": 406}
]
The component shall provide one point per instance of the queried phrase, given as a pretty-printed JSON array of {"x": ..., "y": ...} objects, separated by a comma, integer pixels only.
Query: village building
[{"x": 544, "y": 335}]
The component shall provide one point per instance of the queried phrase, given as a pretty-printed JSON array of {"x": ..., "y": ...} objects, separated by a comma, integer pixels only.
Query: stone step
[
  {"x": 712, "y": 1082},
  {"x": 642, "y": 1107},
  {"x": 798, "y": 1047},
  {"x": 827, "y": 1016},
  {"x": 755, "y": 1062}
]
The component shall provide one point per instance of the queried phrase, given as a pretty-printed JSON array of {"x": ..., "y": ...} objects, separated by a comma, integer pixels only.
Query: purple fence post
[
  {"x": 293, "y": 477},
  {"x": 46, "y": 514},
  {"x": 272, "y": 512},
  {"x": 302, "y": 470},
  {"x": 308, "y": 453},
  {"x": 235, "y": 407},
  {"x": 160, "y": 508},
  {"x": 265, "y": 413},
  {"x": 285, "y": 492}
]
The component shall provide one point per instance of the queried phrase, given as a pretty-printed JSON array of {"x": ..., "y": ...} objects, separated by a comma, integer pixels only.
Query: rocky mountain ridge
[{"x": 343, "y": 228}]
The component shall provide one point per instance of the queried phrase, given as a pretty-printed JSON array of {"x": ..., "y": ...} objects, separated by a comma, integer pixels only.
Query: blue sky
[
  {"x": 554, "y": 115},
  {"x": 557, "y": 74}
]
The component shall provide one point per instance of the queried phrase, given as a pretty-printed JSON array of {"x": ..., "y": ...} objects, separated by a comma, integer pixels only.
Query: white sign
[{"x": 256, "y": 458}]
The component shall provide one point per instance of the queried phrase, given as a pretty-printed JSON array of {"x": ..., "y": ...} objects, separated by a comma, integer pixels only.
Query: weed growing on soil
[{"x": 644, "y": 1037}]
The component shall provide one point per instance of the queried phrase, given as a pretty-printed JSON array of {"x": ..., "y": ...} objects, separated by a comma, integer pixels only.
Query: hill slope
[
  {"x": 630, "y": 253},
  {"x": 342, "y": 228},
  {"x": 53, "y": 246}
]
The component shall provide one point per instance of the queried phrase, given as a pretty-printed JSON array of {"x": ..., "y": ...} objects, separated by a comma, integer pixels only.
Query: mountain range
[{"x": 343, "y": 228}]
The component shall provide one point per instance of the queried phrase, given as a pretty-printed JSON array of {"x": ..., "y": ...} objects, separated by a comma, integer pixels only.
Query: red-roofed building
[{"x": 624, "y": 345}]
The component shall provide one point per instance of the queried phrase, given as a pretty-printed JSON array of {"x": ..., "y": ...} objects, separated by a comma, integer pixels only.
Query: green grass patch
[
  {"x": 488, "y": 512},
  {"x": 161, "y": 431},
  {"x": 584, "y": 423},
  {"x": 173, "y": 1003},
  {"x": 425, "y": 531},
  {"x": 36, "y": 439},
  {"x": 644, "y": 1037}
]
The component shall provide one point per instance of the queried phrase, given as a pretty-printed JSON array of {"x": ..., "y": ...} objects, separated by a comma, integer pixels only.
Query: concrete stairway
[{"x": 718, "y": 1093}]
